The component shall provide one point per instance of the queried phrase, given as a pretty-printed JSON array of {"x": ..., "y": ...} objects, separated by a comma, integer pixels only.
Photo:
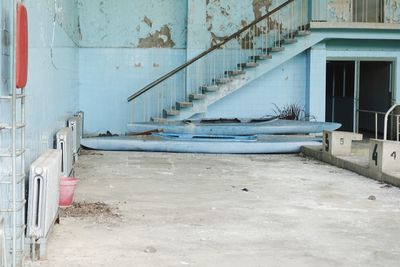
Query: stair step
[
  {"x": 209, "y": 88},
  {"x": 193, "y": 97},
  {"x": 171, "y": 112},
  {"x": 261, "y": 57},
  {"x": 290, "y": 41},
  {"x": 182, "y": 105},
  {"x": 276, "y": 49},
  {"x": 223, "y": 80},
  {"x": 248, "y": 65},
  {"x": 235, "y": 72},
  {"x": 303, "y": 33},
  {"x": 159, "y": 120}
]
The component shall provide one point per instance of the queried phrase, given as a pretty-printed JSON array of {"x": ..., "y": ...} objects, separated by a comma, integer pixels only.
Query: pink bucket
[{"x": 67, "y": 190}]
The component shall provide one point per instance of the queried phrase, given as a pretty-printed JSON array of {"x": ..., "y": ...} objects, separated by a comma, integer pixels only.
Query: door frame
[{"x": 357, "y": 60}]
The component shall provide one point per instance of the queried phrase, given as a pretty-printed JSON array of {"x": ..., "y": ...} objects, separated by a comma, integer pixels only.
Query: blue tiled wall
[
  {"x": 52, "y": 90},
  {"x": 109, "y": 75}
]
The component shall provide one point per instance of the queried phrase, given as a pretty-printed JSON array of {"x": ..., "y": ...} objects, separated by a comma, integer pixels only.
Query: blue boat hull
[
  {"x": 247, "y": 128},
  {"x": 263, "y": 145}
]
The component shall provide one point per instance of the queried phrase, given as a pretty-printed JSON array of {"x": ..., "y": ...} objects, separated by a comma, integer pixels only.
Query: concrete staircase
[
  {"x": 234, "y": 79},
  {"x": 259, "y": 47}
]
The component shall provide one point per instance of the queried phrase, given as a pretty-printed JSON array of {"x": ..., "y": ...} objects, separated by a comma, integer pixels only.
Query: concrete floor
[{"x": 191, "y": 210}]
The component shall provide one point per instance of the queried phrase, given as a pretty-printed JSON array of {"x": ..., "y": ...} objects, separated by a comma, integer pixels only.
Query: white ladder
[{"x": 12, "y": 153}]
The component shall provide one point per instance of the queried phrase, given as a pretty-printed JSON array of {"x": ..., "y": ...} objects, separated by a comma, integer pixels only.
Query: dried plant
[{"x": 294, "y": 112}]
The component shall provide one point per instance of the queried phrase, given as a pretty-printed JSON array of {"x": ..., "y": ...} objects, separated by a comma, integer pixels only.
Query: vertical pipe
[
  {"x": 254, "y": 43},
  {"x": 240, "y": 52},
  {"x": 376, "y": 125}
]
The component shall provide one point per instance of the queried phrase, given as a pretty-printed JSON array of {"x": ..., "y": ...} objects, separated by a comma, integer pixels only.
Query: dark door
[
  {"x": 340, "y": 93},
  {"x": 375, "y": 94}
]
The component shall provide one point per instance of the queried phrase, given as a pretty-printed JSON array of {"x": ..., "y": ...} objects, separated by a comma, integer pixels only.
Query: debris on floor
[
  {"x": 85, "y": 152},
  {"x": 85, "y": 210},
  {"x": 150, "y": 250}
]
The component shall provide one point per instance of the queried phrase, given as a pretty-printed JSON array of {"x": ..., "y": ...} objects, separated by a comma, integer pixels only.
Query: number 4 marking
[
  {"x": 394, "y": 155},
  {"x": 375, "y": 155}
]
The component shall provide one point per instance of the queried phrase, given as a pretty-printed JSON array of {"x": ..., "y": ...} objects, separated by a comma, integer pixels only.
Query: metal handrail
[
  {"x": 215, "y": 47},
  {"x": 386, "y": 122},
  {"x": 387, "y": 115},
  {"x": 376, "y": 113}
]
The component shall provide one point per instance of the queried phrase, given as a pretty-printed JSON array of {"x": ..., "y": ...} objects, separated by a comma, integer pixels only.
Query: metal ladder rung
[
  {"x": 9, "y": 97},
  {"x": 20, "y": 206},
  {"x": 9, "y": 127},
  {"x": 20, "y": 178},
  {"x": 8, "y": 153},
  {"x": 22, "y": 228}
]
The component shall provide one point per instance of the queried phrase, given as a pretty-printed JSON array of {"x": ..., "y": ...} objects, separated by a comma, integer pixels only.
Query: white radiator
[
  {"x": 81, "y": 115},
  {"x": 3, "y": 251},
  {"x": 75, "y": 123},
  {"x": 44, "y": 188},
  {"x": 65, "y": 144}
]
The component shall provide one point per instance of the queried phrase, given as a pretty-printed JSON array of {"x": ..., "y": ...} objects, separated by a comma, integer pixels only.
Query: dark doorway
[
  {"x": 375, "y": 94},
  {"x": 355, "y": 92},
  {"x": 340, "y": 93}
]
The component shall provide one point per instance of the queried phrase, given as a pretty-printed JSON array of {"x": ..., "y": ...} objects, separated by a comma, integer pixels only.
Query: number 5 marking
[{"x": 326, "y": 142}]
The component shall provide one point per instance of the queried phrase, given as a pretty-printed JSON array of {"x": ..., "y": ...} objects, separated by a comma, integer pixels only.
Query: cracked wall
[
  {"x": 136, "y": 24},
  {"x": 222, "y": 18},
  {"x": 65, "y": 13}
]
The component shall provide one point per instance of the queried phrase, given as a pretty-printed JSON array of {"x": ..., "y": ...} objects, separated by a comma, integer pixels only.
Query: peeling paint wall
[
  {"x": 339, "y": 11},
  {"x": 221, "y": 19},
  {"x": 392, "y": 11},
  {"x": 133, "y": 23},
  {"x": 125, "y": 45},
  {"x": 342, "y": 10},
  {"x": 65, "y": 14}
]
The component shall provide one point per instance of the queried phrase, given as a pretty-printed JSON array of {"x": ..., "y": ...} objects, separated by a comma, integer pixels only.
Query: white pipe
[
  {"x": 398, "y": 128},
  {"x": 376, "y": 125},
  {"x": 14, "y": 132}
]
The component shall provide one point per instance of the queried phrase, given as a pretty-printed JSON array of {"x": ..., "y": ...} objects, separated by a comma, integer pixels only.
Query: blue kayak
[
  {"x": 236, "y": 127},
  {"x": 268, "y": 144}
]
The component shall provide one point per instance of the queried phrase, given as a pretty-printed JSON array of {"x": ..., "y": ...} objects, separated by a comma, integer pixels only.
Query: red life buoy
[{"x": 22, "y": 47}]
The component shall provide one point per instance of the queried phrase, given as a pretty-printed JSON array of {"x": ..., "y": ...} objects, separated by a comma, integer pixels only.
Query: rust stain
[
  {"x": 159, "y": 39},
  {"x": 209, "y": 21},
  {"x": 224, "y": 12},
  {"x": 148, "y": 21},
  {"x": 260, "y": 7},
  {"x": 216, "y": 39}
]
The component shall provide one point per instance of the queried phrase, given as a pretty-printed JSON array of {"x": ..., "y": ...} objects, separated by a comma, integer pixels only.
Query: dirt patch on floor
[
  {"x": 90, "y": 153},
  {"x": 98, "y": 210}
]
